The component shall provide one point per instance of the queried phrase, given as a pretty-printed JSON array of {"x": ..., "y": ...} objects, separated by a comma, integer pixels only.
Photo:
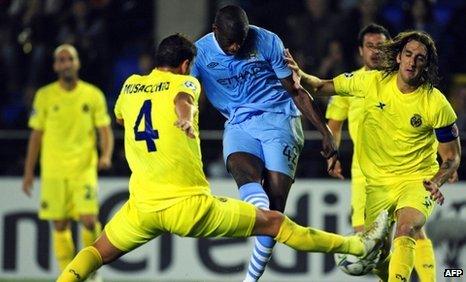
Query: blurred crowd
[{"x": 115, "y": 38}]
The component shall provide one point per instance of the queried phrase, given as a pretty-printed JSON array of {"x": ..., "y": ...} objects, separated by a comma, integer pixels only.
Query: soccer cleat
[{"x": 374, "y": 236}]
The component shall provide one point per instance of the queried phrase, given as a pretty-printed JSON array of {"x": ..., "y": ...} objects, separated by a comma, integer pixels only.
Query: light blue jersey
[{"x": 247, "y": 83}]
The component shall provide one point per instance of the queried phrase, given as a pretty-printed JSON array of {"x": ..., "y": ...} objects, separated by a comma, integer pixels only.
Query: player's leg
[
  {"x": 424, "y": 259},
  {"x": 413, "y": 208},
  {"x": 54, "y": 206},
  {"x": 87, "y": 207},
  {"x": 228, "y": 217},
  {"x": 281, "y": 140},
  {"x": 63, "y": 244},
  {"x": 409, "y": 221},
  {"x": 127, "y": 230},
  {"x": 378, "y": 198},
  {"x": 277, "y": 186},
  {"x": 244, "y": 157}
]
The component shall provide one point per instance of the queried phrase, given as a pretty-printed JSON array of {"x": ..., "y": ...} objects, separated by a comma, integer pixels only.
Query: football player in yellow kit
[
  {"x": 64, "y": 119},
  {"x": 405, "y": 122}
]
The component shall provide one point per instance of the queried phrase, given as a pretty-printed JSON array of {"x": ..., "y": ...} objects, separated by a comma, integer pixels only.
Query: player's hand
[
  {"x": 434, "y": 190},
  {"x": 454, "y": 177},
  {"x": 105, "y": 162},
  {"x": 336, "y": 171},
  {"x": 293, "y": 65},
  {"x": 28, "y": 179},
  {"x": 186, "y": 126}
]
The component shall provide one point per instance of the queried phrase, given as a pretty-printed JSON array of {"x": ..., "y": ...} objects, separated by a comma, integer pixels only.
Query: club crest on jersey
[
  {"x": 212, "y": 65},
  {"x": 416, "y": 120},
  {"x": 190, "y": 85},
  {"x": 348, "y": 74},
  {"x": 85, "y": 108}
]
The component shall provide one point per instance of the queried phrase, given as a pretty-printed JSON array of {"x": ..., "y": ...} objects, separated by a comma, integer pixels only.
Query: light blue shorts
[{"x": 277, "y": 139}]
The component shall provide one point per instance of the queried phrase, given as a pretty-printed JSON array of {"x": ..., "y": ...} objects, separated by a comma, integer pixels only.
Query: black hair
[
  {"x": 232, "y": 23},
  {"x": 173, "y": 50},
  {"x": 372, "y": 28}
]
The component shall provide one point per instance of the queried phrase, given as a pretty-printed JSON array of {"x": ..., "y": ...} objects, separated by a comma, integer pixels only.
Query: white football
[{"x": 353, "y": 265}]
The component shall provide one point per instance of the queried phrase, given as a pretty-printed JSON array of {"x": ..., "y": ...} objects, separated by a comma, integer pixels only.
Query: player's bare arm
[
  {"x": 106, "y": 146},
  {"x": 450, "y": 154},
  {"x": 323, "y": 87},
  {"x": 35, "y": 141},
  {"x": 185, "y": 110},
  {"x": 305, "y": 103}
]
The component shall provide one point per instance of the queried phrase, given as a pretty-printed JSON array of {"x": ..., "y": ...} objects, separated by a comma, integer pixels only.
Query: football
[{"x": 353, "y": 265}]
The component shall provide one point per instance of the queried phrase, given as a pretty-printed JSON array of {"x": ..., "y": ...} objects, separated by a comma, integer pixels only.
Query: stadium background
[{"x": 116, "y": 38}]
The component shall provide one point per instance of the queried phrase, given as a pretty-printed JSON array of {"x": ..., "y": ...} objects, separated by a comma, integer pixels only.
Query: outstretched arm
[
  {"x": 324, "y": 87},
  {"x": 185, "y": 110},
  {"x": 308, "y": 108},
  {"x": 450, "y": 153}
]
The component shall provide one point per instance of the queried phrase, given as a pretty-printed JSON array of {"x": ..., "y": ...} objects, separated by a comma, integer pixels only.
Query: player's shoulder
[
  {"x": 204, "y": 42},
  {"x": 188, "y": 81},
  {"x": 48, "y": 88},
  {"x": 90, "y": 87},
  {"x": 435, "y": 96}
]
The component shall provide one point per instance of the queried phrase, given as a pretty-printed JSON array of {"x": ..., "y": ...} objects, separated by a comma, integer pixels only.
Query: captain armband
[{"x": 447, "y": 133}]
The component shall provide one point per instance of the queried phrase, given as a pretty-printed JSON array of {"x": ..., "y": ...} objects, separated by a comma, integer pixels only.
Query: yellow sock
[
  {"x": 424, "y": 260},
  {"x": 63, "y": 247},
  {"x": 314, "y": 240},
  {"x": 86, "y": 262},
  {"x": 402, "y": 260},
  {"x": 381, "y": 270},
  {"x": 89, "y": 236}
]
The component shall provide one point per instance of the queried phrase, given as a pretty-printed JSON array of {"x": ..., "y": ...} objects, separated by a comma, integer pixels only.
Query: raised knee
[{"x": 406, "y": 229}]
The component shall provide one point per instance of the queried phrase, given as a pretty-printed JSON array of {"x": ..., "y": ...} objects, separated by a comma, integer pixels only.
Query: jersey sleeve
[
  {"x": 276, "y": 57},
  {"x": 353, "y": 84},
  {"x": 190, "y": 85},
  {"x": 101, "y": 117},
  {"x": 38, "y": 112},
  {"x": 338, "y": 108},
  {"x": 444, "y": 114}
]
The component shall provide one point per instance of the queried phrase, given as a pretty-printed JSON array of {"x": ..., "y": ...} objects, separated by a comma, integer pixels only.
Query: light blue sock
[{"x": 254, "y": 193}]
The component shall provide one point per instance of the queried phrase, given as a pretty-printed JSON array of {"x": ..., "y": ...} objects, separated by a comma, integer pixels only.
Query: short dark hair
[
  {"x": 232, "y": 22},
  {"x": 392, "y": 49},
  {"x": 372, "y": 28},
  {"x": 173, "y": 50}
]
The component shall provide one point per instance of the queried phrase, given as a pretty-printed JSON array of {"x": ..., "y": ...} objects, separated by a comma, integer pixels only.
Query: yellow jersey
[
  {"x": 166, "y": 164},
  {"x": 396, "y": 136},
  {"x": 68, "y": 120},
  {"x": 341, "y": 108}
]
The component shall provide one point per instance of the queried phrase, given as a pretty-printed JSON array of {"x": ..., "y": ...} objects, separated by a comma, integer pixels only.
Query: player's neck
[
  {"x": 68, "y": 85},
  {"x": 170, "y": 69},
  {"x": 404, "y": 87}
]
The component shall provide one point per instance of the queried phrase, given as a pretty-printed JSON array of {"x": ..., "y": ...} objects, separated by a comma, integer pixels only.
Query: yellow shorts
[
  {"x": 67, "y": 198},
  {"x": 396, "y": 195},
  {"x": 196, "y": 216},
  {"x": 358, "y": 198}
]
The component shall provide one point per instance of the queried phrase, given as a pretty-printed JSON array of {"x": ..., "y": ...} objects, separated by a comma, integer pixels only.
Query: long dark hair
[{"x": 391, "y": 49}]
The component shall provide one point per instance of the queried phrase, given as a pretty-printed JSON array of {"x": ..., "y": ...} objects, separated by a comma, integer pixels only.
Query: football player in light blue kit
[{"x": 244, "y": 76}]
